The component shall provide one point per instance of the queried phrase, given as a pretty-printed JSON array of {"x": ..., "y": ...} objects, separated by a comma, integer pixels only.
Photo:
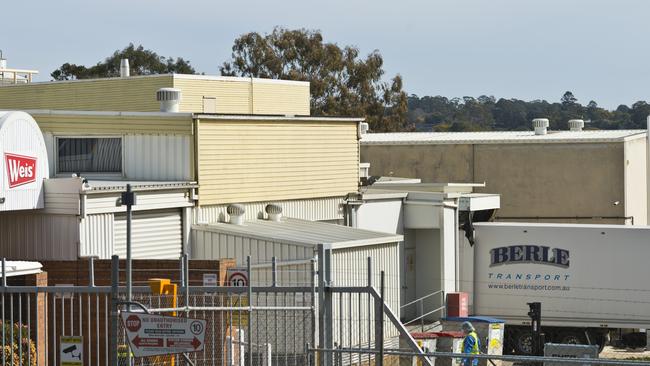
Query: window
[{"x": 89, "y": 155}]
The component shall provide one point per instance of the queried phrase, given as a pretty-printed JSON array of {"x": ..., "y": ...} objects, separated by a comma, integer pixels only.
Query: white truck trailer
[{"x": 590, "y": 279}]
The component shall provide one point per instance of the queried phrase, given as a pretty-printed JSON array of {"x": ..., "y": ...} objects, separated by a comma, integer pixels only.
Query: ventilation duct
[
  {"x": 274, "y": 211},
  {"x": 169, "y": 98},
  {"x": 236, "y": 213},
  {"x": 540, "y": 125},
  {"x": 576, "y": 124},
  {"x": 125, "y": 70}
]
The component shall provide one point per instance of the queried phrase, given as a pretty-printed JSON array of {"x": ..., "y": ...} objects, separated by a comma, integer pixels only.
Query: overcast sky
[{"x": 523, "y": 49}]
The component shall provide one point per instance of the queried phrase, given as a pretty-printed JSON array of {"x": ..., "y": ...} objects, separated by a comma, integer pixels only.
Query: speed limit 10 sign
[{"x": 238, "y": 278}]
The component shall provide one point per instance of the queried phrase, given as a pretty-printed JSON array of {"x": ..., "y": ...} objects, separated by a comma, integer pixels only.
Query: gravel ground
[
  {"x": 622, "y": 353},
  {"x": 612, "y": 353}
]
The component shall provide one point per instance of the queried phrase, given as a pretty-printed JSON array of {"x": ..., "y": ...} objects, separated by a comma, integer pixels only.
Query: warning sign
[
  {"x": 151, "y": 335},
  {"x": 72, "y": 351}
]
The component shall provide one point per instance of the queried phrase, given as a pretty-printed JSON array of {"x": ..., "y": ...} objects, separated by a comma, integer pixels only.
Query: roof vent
[
  {"x": 540, "y": 125},
  {"x": 3, "y": 61},
  {"x": 169, "y": 99},
  {"x": 125, "y": 70},
  {"x": 576, "y": 124},
  {"x": 236, "y": 213},
  {"x": 274, "y": 211}
]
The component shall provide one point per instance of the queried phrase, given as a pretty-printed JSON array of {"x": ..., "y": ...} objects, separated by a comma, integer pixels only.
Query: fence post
[
  {"x": 266, "y": 355},
  {"x": 250, "y": 310},
  {"x": 325, "y": 320},
  {"x": 380, "y": 362},
  {"x": 115, "y": 278}
]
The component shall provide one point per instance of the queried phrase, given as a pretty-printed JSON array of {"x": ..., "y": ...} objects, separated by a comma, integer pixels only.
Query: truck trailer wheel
[
  {"x": 523, "y": 342},
  {"x": 571, "y": 337}
]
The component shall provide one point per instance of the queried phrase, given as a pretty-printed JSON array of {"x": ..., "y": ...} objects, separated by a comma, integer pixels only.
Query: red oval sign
[{"x": 133, "y": 323}]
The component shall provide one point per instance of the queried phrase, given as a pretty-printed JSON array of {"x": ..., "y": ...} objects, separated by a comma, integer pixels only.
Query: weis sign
[
  {"x": 529, "y": 254},
  {"x": 21, "y": 169}
]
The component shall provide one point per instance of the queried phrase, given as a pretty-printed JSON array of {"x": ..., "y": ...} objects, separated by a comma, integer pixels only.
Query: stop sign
[{"x": 133, "y": 323}]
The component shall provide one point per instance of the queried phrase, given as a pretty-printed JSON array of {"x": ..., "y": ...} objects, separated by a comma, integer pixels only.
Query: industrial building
[
  {"x": 193, "y": 147},
  {"x": 548, "y": 176},
  {"x": 218, "y": 141}
]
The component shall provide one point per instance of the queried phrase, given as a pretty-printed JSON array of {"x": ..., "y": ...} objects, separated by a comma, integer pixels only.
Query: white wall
[
  {"x": 381, "y": 215},
  {"x": 636, "y": 181}
]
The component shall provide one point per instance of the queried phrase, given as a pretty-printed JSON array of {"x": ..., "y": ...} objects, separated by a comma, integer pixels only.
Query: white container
[{"x": 23, "y": 163}]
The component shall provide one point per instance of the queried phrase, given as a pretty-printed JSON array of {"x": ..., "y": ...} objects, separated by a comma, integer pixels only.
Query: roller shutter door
[{"x": 154, "y": 234}]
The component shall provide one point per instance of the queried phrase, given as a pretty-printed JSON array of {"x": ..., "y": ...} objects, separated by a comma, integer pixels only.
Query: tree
[
  {"x": 568, "y": 99},
  {"x": 342, "y": 82},
  {"x": 141, "y": 62}
]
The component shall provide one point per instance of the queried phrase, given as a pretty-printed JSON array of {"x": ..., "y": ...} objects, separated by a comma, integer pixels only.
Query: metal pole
[
  {"x": 115, "y": 277},
  {"x": 380, "y": 362},
  {"x": 250, "y": 311},
  {"x": 187, "y": 282},
  {"x": 128, "y": 200}
]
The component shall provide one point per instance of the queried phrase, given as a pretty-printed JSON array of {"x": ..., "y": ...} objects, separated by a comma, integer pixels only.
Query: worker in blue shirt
[{"x": 471, "y": 344}]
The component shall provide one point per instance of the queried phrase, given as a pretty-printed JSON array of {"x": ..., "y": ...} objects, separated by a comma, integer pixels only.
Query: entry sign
[
  {"x": 151, "y": 335},
  {"x": 72, "y": 351}
]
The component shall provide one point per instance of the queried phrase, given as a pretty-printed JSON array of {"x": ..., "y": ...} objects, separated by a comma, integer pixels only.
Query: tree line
[
  {"x": 486, "y": 113},
  {"x": 346, "y": 83}
]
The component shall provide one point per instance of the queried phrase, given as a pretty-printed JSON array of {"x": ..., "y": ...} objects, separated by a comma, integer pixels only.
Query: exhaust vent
[
  {"x": 540, "y": 125},
  {"x": 576, "y": 124},
  {"x": 236, "y": 213},
  {"x": 274, "y": 211},
  {"x": 125, "y": 70},
  {"x": 363, "y": 128},
  {"x": 169, "y": 99}
]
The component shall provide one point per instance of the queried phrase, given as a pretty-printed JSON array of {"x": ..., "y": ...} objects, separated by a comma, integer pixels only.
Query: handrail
[
  {"x": 423, "y": 315},
  {"x": 421, "y": 298}
]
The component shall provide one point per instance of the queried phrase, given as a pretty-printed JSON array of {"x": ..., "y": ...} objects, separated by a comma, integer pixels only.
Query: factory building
[
  {"x": 554, "y": 176},
  {"x": 189, "y": 145}
]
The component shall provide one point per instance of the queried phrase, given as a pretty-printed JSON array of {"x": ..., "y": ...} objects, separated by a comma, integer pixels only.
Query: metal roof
[
  {"x": 21, "y": 268},
  {"x": 303, "y": 232},
  {"x": 499, "y": 137}
]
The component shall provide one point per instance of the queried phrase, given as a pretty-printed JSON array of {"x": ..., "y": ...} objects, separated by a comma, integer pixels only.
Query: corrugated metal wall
[
  {"x": 163, "y": 155},
  {"x": 251, "y": 161},
  {"x": 154, "y": 234},
  {"x": 158, "y": 157},
  {"x": 32, "y": 236},
  {"x": 96, "y": 233},
  {"x": 315, "y": 209},
  {"x": 349, "y": 268},
  {"x": 112, "y": 94},
  {"x": 208, "y": 244}
]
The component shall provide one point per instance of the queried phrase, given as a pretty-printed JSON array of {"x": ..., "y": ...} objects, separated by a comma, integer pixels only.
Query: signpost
[
  {"x": 72, "y": 351},
  {"x": 151, "y": 335}
]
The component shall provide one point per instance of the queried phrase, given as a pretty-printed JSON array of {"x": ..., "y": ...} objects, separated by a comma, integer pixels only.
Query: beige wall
[
  {"x": 232, "y": 95},
  {"x": 553, "y": 179},
  {"x": 113, "y": 94},
  {"x": 533, "y": 179},
  {"x": 261, "y": 160},
  {"x": 244, "y": 96},
  {"x": 431, "y": 163}
]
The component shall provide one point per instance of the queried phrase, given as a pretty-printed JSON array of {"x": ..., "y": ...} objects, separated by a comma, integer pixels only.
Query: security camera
[{"x": 71, "y": 350}]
